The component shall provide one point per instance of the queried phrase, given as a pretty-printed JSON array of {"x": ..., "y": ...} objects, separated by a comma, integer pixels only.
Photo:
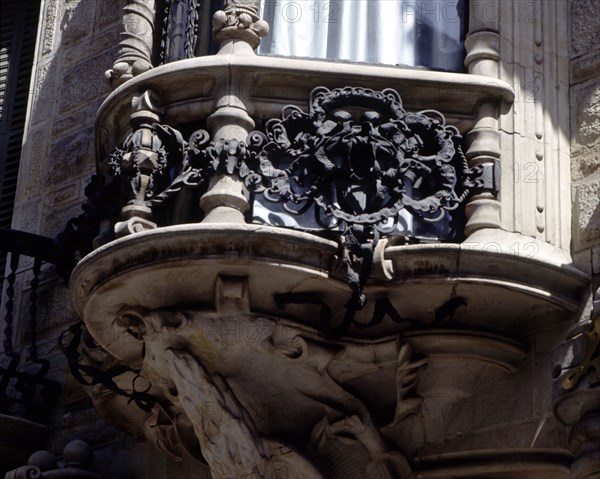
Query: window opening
[{"x": 427, "y": 33}]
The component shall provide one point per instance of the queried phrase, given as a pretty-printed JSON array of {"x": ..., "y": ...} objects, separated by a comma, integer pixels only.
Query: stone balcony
[{"x": 324, "y": 346}]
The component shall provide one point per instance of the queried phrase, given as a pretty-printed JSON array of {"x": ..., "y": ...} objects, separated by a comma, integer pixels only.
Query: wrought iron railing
[{"x": 24, "y": 386}]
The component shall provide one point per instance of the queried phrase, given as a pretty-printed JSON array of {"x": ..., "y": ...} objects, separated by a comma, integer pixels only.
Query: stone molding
[
  {"x": 262, "y": 85},
  {"x": 479, "y": 271},
  {"x": 512, "y": 464}
]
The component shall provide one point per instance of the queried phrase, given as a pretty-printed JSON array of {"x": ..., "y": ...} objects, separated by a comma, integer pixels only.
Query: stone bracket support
[{"x": 577, "y": 392}]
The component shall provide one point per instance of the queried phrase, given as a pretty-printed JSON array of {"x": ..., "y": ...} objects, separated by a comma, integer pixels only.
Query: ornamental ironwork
[
  {"x": 356, "y": 158},
  {"x": 359, "y": 158},
  {"x": 356, "y": 163},
  {"x": 24, "y": 381},
  {"x": 352, "y": 163}
]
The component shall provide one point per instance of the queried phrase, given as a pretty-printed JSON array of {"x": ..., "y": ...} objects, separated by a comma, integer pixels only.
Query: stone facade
[{"x": 339, "y": 348}]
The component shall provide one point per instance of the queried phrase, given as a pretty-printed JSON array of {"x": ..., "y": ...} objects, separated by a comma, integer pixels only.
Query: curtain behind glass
[{"x": 395, "y": 32}]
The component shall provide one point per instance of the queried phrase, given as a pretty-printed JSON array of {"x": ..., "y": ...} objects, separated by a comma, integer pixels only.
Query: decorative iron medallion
[
  {"x": 357, "y": 163},
  {"x": 359, "y": 158}
]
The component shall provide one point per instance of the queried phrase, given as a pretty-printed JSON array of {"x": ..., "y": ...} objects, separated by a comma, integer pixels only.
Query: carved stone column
[
  {"x": 238, "y": 30},
  {"x": 483, "y": 153},
  {"x": 135, "y": 55},
  {"x": 536, "y": 170},
  {"x": 577, "y": 392}
]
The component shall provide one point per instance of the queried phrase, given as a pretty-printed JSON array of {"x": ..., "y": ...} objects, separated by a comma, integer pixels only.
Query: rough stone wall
[
  {"x": 584, "y": 56},
  {"x": 77, "y": 42}
]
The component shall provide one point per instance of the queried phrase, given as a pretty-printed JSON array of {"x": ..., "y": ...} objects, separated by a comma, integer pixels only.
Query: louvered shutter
[{"x": 18, "y": 31}]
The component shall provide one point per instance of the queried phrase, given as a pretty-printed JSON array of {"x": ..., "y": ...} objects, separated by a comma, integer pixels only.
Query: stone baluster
[
  {"x": 577, "y": 392},
  {"x": 238, "y": 30},
  {"x": 135, "y": 54},
  {"x": 77, "y": 455},
  {"x": 483, "y": 153}
]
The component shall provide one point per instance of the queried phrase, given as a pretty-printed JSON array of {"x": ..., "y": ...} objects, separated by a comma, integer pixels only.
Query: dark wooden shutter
[{"x": 18, "y": 32}]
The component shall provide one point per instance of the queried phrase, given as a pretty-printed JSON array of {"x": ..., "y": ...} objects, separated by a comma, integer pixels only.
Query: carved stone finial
[
  {"x": 135, "y": 55},
  {"x": 239, "y": 20},
  {"x": 142, "y": 161}
]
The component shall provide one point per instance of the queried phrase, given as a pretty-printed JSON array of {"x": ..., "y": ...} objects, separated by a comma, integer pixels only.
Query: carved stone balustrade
[{"x": 77, "y": 456}]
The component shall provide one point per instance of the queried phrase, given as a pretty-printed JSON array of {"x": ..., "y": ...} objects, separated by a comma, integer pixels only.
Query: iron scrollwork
[
  {"x": 356, "y": 159},
  {"x": 88, "y": 374},
  {"x": 356, "y": 163},
  {"x": 360, "y": 158}
]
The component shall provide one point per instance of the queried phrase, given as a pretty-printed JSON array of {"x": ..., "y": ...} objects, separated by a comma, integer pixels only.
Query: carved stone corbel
[
  {"x": 577, "y": 392},
  {"x": 135, "y": 55},
  {"x": 222, "y": 379}
]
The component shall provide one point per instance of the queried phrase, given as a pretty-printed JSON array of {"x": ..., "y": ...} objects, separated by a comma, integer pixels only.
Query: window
[
  {"x": 426, "y": 33},
  {"x": 185, "y": 30}
]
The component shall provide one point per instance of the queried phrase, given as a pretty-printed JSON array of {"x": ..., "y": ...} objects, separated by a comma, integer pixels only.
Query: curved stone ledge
[
  {"x": 180, "y": 264},
  {"x": 465, "y": 286},
  {"x": 491, "y": 349},
  {"x": 513, "y": 285},
  {"x": 192, "y": 89},
  {"x": 507, "y": 464}
]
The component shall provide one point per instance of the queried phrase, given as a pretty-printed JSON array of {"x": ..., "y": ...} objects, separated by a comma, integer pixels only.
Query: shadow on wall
[{"x": 79, "y": 41}]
